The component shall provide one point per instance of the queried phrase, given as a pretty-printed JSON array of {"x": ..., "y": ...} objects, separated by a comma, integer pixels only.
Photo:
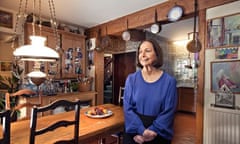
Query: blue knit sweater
[{"x": 158, "y": 99}]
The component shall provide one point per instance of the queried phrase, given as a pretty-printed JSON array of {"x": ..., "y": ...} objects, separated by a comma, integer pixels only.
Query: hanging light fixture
[
  {"x": 37, "y": 51},
  {"x": 126, "y": 34},
  {"x": 156, "y": 27},
  {"x": 175, "y": 13},
  {"x": 133, "y": 34}
]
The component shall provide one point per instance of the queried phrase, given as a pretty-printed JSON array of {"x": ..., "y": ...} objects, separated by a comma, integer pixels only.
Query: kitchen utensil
[
  {"x": 194, "y": 45},
  {"x": 189, "y": 66}
]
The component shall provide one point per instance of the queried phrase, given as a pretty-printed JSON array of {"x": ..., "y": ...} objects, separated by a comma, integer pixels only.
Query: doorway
[{"x": 118, "y": 67}]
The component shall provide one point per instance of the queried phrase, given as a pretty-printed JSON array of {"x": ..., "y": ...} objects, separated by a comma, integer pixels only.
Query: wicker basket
[{"x": 83, "y": 87}]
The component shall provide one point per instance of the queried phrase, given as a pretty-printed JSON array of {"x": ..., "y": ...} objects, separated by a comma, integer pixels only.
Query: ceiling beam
[{"x": 146, "y": 17}]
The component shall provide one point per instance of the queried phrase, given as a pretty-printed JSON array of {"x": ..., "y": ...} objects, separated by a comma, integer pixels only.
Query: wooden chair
[
  {"x": 61, "y": 123},
  {"x": 120, "y": 96},
  {"x": 19, "y": 106},
  {"x": 120, "y": 103},
  {"x": 5, "y": 119}
]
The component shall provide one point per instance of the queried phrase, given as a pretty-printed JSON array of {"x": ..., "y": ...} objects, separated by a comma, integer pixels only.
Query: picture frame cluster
[{"x": 223, "y": 35}]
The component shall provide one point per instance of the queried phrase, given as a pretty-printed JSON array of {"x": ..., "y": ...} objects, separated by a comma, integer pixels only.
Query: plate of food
[{"x": 98, "y": 112}]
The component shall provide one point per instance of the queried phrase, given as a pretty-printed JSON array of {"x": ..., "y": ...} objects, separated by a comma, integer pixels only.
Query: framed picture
[
  {"x": 224, "y": 97},
  {"x": 226, "y": 53},
  {"x": 225, "y": 72},
  {"x": 224, "y": 31},
  {"x": 6, "y": 19}
]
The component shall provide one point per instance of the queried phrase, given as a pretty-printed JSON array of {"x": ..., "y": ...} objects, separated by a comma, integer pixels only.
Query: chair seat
[{"x": 119, "y": 135}]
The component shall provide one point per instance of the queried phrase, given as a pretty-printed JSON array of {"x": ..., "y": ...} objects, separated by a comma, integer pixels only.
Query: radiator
[{"x": 223, "y": 126}]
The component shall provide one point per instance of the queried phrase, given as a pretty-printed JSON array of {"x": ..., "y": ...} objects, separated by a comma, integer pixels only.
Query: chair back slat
[
  {"x": 61, "y": 123},
  {"x": 18, "y": 106},
  {"x": 120, "y": 95}
]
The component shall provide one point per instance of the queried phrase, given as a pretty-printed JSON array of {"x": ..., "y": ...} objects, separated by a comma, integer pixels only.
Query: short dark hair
[{"x": 158, "y": 51}]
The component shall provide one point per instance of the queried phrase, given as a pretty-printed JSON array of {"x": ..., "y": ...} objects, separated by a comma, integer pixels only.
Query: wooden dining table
[{"x": 91, "y": 129}]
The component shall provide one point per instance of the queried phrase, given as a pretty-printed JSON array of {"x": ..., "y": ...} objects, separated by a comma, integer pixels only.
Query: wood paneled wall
[{"x": 145, "y": 18}]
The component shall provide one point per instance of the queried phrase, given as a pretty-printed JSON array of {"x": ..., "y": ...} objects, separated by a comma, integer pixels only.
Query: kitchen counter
[
  {"x": 186, "y": 84},
  {"x": 82, "y": 96}
]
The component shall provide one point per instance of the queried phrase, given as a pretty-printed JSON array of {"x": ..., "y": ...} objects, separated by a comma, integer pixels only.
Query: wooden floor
[{"x": 184, "y": 130}]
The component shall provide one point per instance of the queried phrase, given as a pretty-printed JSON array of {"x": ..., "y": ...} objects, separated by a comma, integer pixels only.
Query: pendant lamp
[
  {"x": 156, "y": 27},
  {"x": 126, "y": 34},
  {"x": 36, "y": 51},
  {"x": 175, "y": 13}
]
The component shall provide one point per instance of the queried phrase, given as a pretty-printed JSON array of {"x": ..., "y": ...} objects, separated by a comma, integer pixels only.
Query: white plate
[{"x": 109, "y": 113}]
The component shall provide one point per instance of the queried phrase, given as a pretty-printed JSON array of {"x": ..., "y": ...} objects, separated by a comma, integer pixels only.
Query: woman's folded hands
[{"x": 148, "y": 135}]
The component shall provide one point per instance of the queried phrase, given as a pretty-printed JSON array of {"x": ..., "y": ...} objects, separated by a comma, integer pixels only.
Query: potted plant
[
  {"x": 74, "y": 86},
  {"x": 11, "y": 84},
  {"x": 85, "y": 83}
]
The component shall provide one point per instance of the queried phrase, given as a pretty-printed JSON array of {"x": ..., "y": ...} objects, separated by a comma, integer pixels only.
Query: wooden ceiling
[{"x": 144, "y": 18}]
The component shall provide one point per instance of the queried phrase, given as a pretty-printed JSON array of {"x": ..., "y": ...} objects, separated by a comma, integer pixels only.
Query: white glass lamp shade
[
  {"x": 126, "y": 35},
  {"x": 36, "y": 51},
  {"x": 36, "y": 74},
  {"x": 155, "y": 28}
]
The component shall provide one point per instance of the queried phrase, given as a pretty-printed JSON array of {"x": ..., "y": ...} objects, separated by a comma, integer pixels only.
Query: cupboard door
[
  {"x": 67, "y": 57},
  {"x": 186, "y": 100},
  {"x": 80, "y": 55},
  {"x": 73, "y": 58},
  {"x": 53, "y": 68}
]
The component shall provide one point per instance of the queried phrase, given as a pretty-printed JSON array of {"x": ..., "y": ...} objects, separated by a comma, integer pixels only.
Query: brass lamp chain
[
  {"x": 21, "y": 13},
  {"x": 39, "y": 17},
  {"x": 34, "y": 18},
  {"x": 54, "y": 22}
]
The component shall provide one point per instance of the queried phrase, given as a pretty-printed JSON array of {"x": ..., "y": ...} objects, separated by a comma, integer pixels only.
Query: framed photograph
[
  {"x": 226, "y": 53},
  {"x": 225, "y": 72},
  {"x": 6, "y": 19},
  {"x": 224, "y": 31},
  {"x": 224, "y": 98}
]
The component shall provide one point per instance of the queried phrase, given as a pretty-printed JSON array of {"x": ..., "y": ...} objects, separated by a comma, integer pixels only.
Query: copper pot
[{"x": 194, "y": 46}]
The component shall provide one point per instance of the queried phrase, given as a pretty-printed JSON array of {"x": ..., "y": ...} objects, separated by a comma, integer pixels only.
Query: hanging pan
[{"x": 194, "y": 45}]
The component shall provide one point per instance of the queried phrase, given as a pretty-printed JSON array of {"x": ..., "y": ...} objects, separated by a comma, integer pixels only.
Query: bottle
[{"x": 65, "y": 87}]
